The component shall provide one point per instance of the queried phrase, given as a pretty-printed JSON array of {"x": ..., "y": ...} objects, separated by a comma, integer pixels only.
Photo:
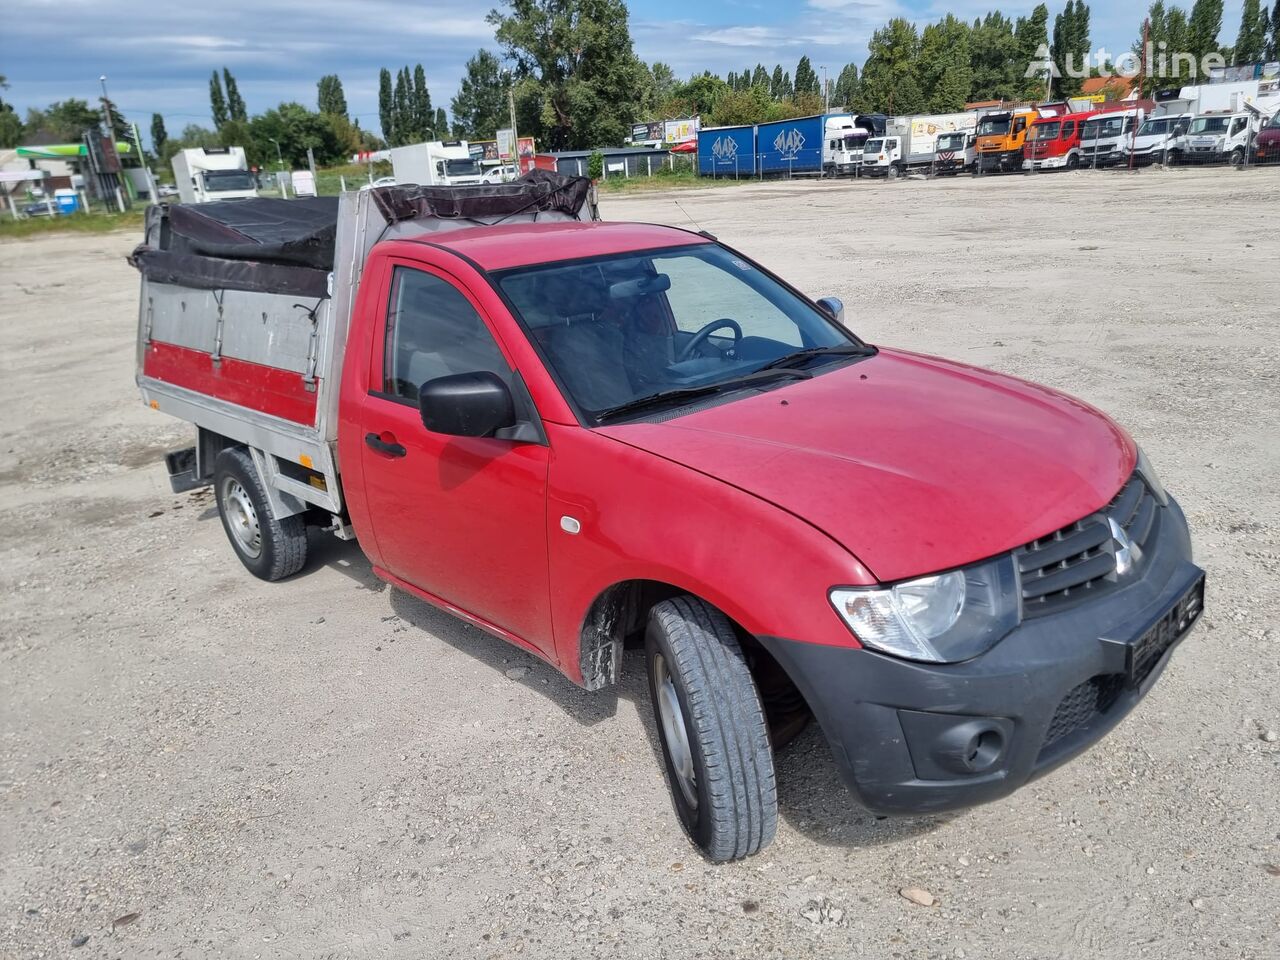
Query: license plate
[{"x": 1145, "y": 653}]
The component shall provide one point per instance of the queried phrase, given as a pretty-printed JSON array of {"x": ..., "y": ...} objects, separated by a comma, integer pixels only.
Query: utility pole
[
  {"x": 515, "y": 137},
  {"x": 146, "y": 167},
  {"x": 826, "y": 91}
]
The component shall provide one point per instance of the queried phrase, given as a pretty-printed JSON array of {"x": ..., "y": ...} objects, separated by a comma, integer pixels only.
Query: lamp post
[
  {"x": 284, "y": 192},
  {"x": 106, "y": 109}
]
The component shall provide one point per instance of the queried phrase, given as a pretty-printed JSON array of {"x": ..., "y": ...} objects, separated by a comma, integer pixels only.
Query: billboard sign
[{"x": 680, "y": 131}]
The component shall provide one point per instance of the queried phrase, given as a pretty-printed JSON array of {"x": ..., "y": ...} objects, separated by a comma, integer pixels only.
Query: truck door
[{"x": 462, "y": 518}]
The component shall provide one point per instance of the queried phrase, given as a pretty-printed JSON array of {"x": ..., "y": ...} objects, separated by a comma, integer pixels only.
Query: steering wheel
[{"x": 701, "y": 336}]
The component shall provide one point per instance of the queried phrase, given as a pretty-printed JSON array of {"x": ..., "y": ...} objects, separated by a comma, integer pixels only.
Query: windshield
[
  {"x": 873, "y": 146},
  {"x": 989, "y": 127},
  {"x": 1155, "y": 127},
  {"x": 219, "y": 181},
  {"x": 855, "y": 141},
  {"x": 1044, "y": 131},
  {"x": 1106, "y": 127},
  {"x": 1209, "y": 125},
  {"x": 617, "y": 329},
  {"x": 462, "y": 168},
  {"x": 951, "y": 141},
  {"x": 1275, "y": 123}
]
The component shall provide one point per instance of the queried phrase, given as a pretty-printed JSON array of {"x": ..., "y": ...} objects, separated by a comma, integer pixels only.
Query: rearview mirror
[
  {"x": 833, "y": 307},
  {"x": 466, "y": 404}
]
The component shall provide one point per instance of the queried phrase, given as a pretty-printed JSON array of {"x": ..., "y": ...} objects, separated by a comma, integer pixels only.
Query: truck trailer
[
  {"x": 206, "y": 174},
  {"x": 580, "y": 436}
]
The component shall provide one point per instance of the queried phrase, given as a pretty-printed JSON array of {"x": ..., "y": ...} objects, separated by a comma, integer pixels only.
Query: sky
[{"x": 157, "y": 58}]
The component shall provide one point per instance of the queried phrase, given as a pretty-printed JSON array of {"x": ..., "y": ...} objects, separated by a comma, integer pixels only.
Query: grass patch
[
  {"x": 664, "y": 180},
  {"x": 73, "y": 223}
]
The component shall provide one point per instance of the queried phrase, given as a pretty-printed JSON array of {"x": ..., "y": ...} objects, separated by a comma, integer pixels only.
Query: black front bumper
[
  {"x": 912, "y": 738},
  {"x": 998, "y": 160}
]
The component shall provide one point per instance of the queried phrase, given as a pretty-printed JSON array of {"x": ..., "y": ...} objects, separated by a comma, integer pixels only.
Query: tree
[
  {"x": 760, "y": 76},
  {"x": 1251, "y": 41},
  {"x": 1070, "y": 50},
  {"x": 480, "y": 105},
  {"x": 992, "y": 48},
  {"x": 806, "y": 78},
  {"x": 217, "y": 102},
  {"x": 663, "y": 80},
  {"x": 945, "y": 68},
  {"x": 775, "y": 83},
  {"x": 889, "y": 78},
  {"x": 1031, "y": 36},
  {"x": 578, "y": 80},
  {"x": 424, "y": 114},
  {"x": 441, "y": 126},
  {"x": 158, "y": 133},
  {"x": 1203, "y": 28},
  {"x": 385, "y": 103},
  {"x": 10, "y": 122},
  {"x": 235, "y": 103},
  {"x": 65, "y": 120},
  {"x": 845, "y": 93},
  {"x": 296, "y": 128},
  {"x": 331, "y": 99},
  {"x": 1273, "y": 45}
]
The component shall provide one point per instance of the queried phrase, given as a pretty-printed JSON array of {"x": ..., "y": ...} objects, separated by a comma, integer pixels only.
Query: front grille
[
  {"x": 1079, "y": 561},
  {"x": 1081, "y": 706}
]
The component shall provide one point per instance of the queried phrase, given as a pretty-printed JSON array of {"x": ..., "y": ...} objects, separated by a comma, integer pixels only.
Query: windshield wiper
[
  {"x": 839, "y": 350},
  {"x": 690, "y": 393}
]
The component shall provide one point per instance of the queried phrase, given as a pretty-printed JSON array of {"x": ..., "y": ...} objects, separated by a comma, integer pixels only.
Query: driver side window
[{"x": 698, "y": 296}]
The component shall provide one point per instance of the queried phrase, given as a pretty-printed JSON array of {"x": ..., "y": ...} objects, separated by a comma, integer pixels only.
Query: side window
[
  {"x": 433, "y": 331},
  {"x": 1068, "y": 130},
  {"x": 1019, "y": 125},
  {"x": 1237, "y": 125}
]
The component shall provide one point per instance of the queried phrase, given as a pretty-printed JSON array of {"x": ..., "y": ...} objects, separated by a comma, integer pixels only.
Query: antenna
[{"x": 686, "y": 213}]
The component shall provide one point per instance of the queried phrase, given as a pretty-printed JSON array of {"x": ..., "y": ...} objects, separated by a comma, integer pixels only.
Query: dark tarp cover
[
  {"x": 538, "y": 190},
  {"x": 266, "y": 245}
]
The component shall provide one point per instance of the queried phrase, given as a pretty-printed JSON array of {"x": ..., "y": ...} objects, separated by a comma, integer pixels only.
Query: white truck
[
  {"x": 956, "y": 153},
  {"x": 1105, "y": 137},
  {"x": 843, "y": 139},
  {"x": 205, "y": 174},
  {"x": 910, "y": 143},
  {"x": 1156, "y": 137},
  {"x": 437, "y": 163},
  {"x": 1222, "y": 137}
]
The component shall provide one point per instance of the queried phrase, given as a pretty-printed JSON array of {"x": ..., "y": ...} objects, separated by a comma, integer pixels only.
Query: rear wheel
[
  {"x": 270, "y": 548},
  {"x": 715, "y": 740}
]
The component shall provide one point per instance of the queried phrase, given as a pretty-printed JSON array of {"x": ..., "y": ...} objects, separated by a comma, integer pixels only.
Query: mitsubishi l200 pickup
[{"x": 580, "y": 435}]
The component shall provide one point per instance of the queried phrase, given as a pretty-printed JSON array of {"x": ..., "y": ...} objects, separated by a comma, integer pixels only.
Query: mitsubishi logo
[
  {"x": 788, "y": 143},
  {"x": 725, "y": 149},
  {"x": 1128, "y": 553}
]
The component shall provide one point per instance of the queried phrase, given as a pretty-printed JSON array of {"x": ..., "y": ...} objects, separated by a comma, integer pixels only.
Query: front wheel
[
  {"x": 271, "y": 548},
  {"x": 715, "y": 741},
  {"x": 1073, "y": 162},
  {"x": 1237, "y": 157}
]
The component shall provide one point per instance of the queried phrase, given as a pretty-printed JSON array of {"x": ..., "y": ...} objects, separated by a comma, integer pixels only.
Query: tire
[
  {"x": 893, "y": 173},
  {"x": 1174, "y": 158},
  {"x": 269, "y": 548},
  {"x": 715, "y": 739},
  {"x": 1073, "y": 162},
  {"x": 1237, "y": 158}
]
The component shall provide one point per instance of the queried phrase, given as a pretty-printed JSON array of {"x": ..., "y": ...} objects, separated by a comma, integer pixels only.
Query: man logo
[
  {"x": 788, "y": 144},
  {"x": 725, "y": 149},
  {"x": 1128, "y": 553}
]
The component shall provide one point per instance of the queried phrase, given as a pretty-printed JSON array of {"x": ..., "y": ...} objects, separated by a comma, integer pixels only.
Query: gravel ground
[{"x": 197, "y": 764}]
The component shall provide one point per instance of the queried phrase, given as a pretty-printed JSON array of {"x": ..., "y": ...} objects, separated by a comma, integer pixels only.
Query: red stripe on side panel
[{"x": 270, "y": 390}]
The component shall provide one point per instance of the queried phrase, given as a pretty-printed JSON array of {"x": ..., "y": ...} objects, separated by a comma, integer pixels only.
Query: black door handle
[{"x": 390, "y": 449}]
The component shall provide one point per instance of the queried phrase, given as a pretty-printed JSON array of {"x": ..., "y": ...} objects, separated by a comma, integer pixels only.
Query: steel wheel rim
[
  {"x": 674, "y": 732},
  {"x": 242, "y": 518}
]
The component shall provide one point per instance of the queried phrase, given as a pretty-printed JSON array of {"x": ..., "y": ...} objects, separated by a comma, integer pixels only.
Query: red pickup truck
[{"x": 581, "y": 435}]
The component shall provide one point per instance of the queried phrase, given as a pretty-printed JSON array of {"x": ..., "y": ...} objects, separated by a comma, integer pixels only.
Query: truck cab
[
  {"x": 208, "y": 174},
  {"x": 955, "y": 152},
  {"x": 1105, "y": 137},
  {"x": 1157, "y": 137},
  {"x": 436, "y": 163},
  {"x": 1053, "y": 143},
  {"x": 1220, "y": 137},
  {"x": 1000, "y": 138},
  {"x": 844, "y": 140}
]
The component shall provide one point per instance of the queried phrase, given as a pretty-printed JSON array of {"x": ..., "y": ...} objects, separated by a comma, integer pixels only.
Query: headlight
[
  {"x": 944, "y": 618},
  {"x": 1148, "y": 473}
]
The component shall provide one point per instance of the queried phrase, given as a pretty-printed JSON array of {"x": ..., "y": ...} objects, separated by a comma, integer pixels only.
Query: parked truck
[
  {"x": 544, "y": 425},
  {"x": 955, "y": 153},
  {"x": 1157, "y": 138},
  {"x": 1000, "y": 139},
  {"x": 910, "y": 143},
  {"x": 1053, "y": 143},
  {"x": 1106, "y": 136},
  {"x": 206, "y": 174},
  {"x": 1224, "y": 136},
  {"x": 846, "y": 136},
  {"x": 447, "y": 163}
]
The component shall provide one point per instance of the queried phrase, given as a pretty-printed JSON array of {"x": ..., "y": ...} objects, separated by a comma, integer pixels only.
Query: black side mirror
[
  {"x": 466, "y": 405},
  {"x": 833, "y": 307}
]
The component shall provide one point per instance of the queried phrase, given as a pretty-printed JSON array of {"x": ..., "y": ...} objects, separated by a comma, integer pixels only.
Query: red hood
[{"x": 915, "y": 464}]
